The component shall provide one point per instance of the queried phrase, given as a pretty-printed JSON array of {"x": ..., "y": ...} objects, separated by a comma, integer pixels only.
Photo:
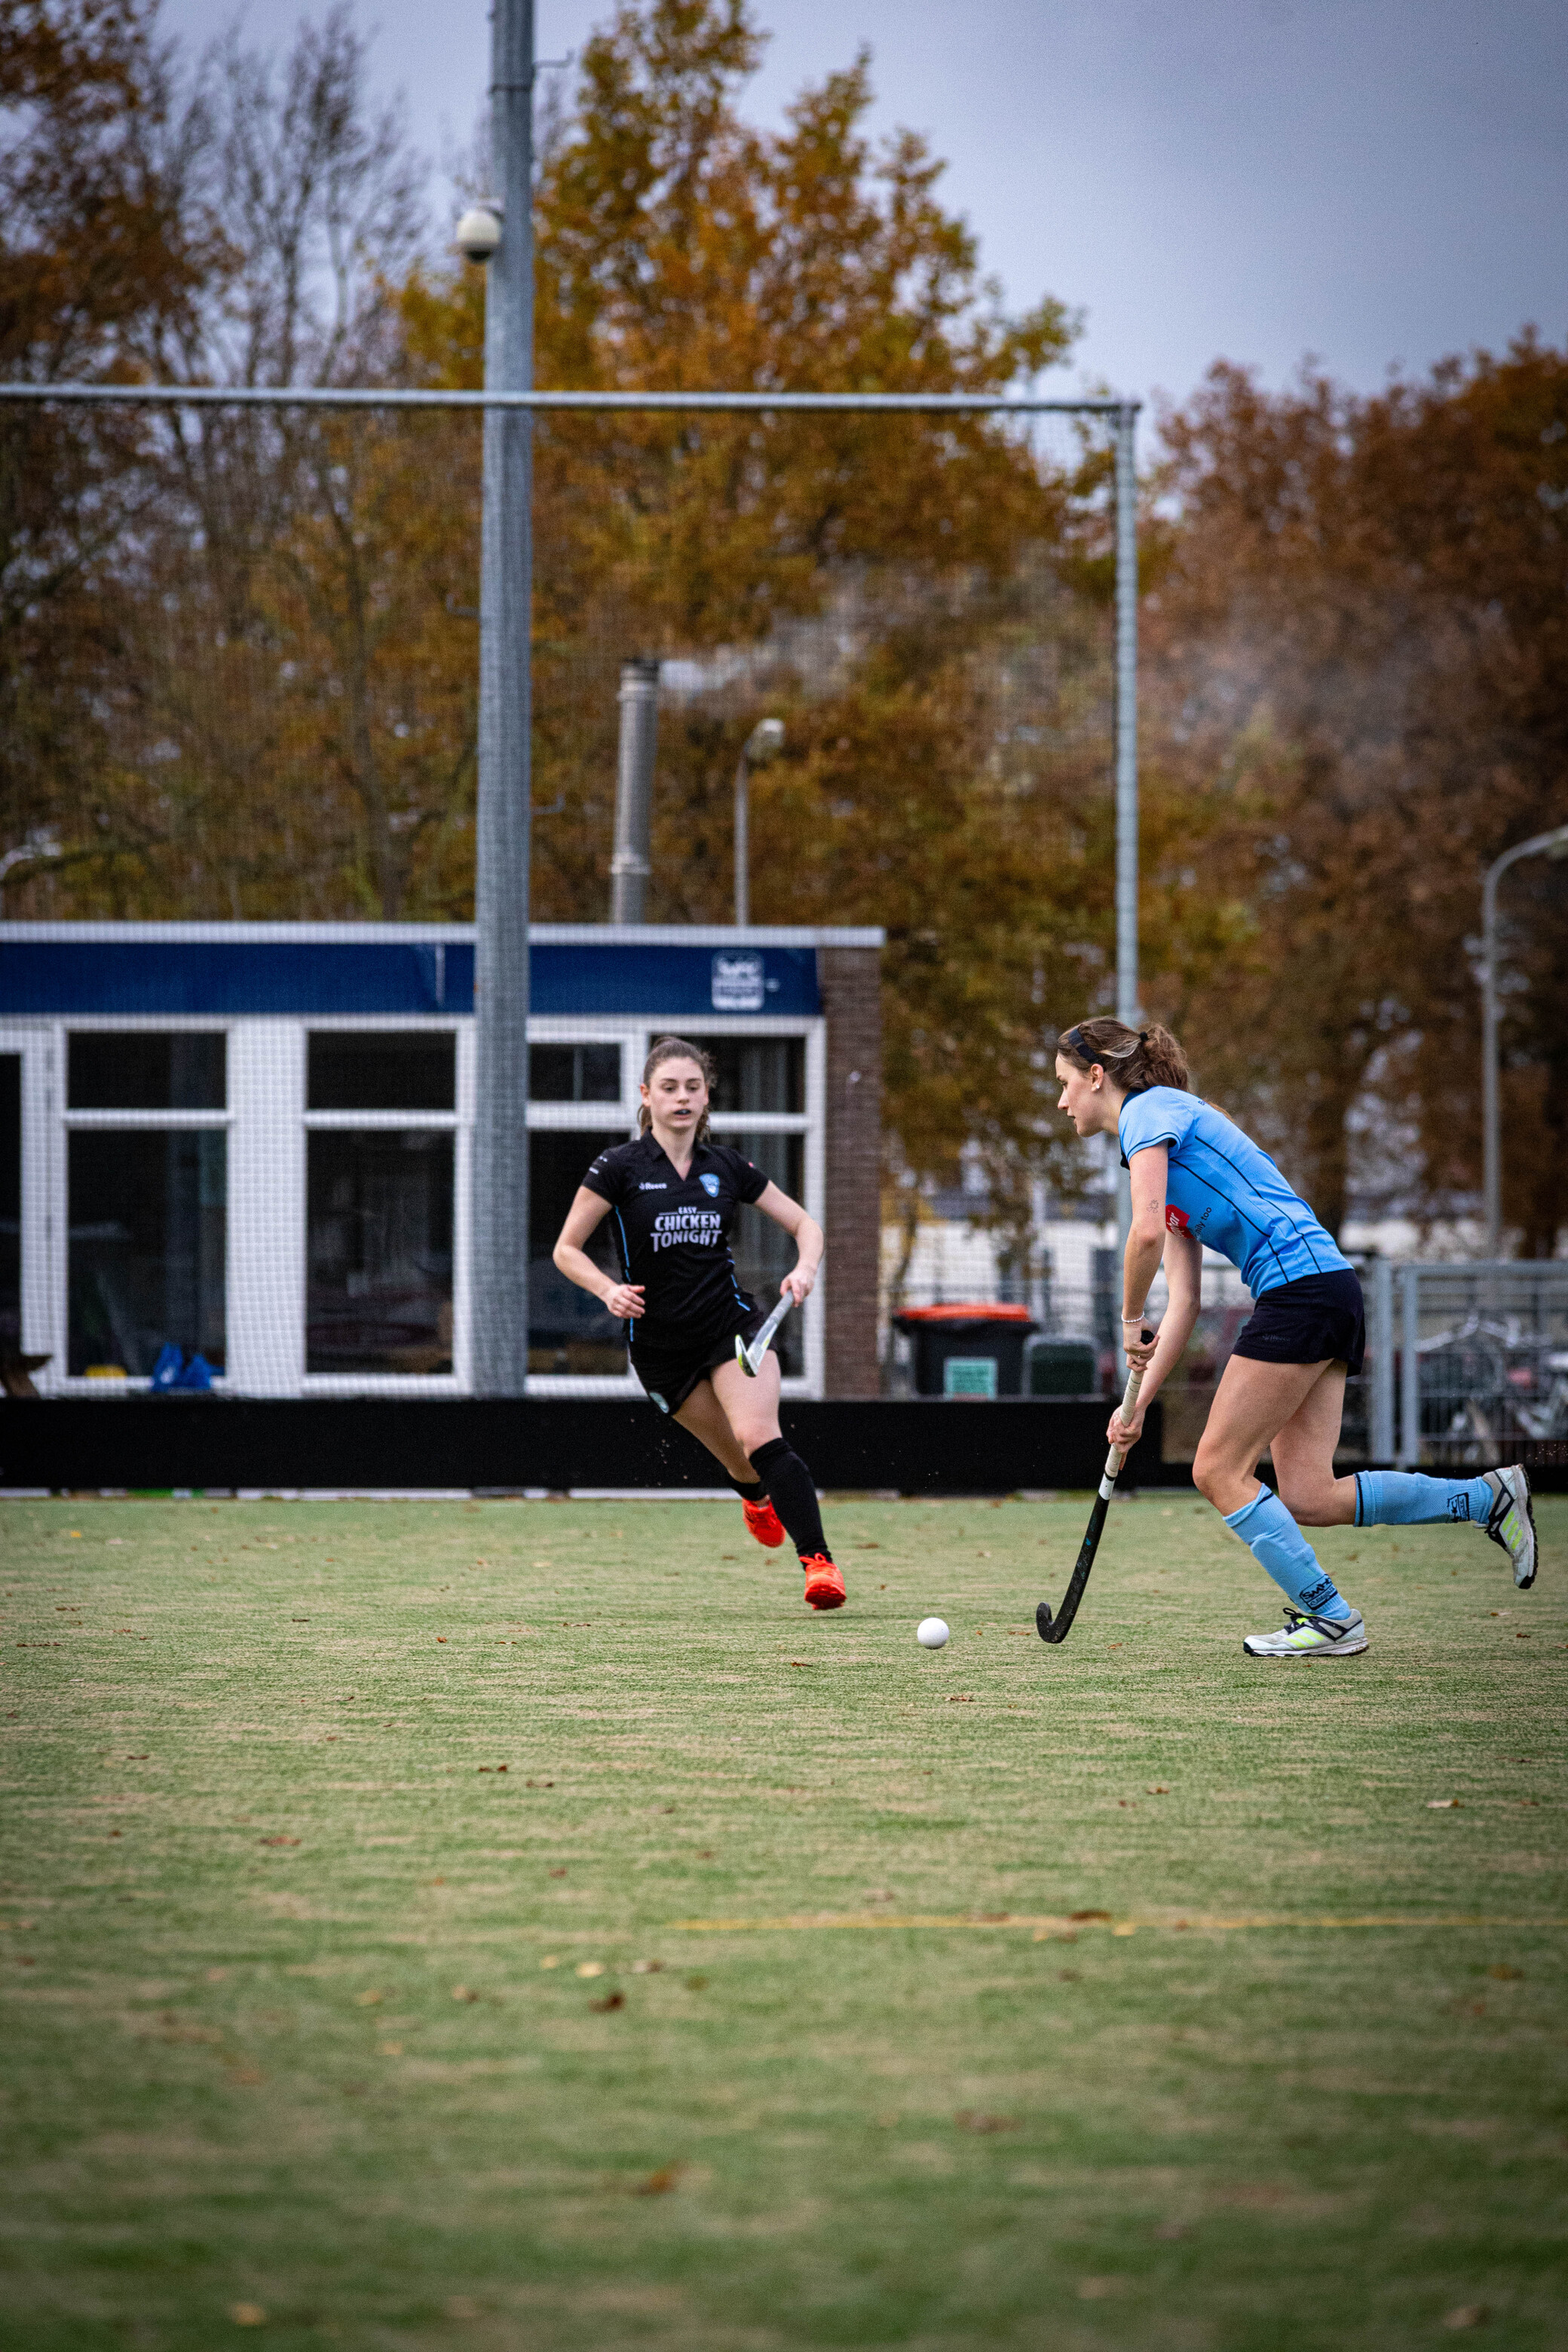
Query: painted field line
[{"x": 1065, "y": 1925}]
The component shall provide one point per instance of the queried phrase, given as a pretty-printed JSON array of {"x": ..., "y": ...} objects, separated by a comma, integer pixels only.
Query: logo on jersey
[
  {"x": 702, "y": 1227},
  {"x": 653, "y": 1188},
  {"x": 709, "y": 1185},
  {"x": 1176, "y": 1220}
]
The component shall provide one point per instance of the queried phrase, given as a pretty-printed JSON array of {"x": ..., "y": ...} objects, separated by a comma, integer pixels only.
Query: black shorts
[
  {"x": 1318, "y": 1320},
  {"x": 669, "y": 1374}
]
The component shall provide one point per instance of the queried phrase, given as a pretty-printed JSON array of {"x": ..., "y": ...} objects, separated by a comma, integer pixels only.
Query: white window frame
[
  {"x": 635, "y": 1035},
  {"x": 63, "y": 1123},
  {"x": 268, "y": 1126},
  {"x": 43, "y": 1332},
  {"x": 460, "y": 1123}
]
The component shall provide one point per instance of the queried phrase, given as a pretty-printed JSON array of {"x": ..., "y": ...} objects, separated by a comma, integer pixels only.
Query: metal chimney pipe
[{"x": 629, "y": 869}]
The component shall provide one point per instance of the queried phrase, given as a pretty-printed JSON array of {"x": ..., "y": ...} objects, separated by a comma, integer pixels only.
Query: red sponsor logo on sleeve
[{"x": 1176, "y": 1220}]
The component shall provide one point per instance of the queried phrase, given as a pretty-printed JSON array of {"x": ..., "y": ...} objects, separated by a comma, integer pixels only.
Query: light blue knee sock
[
  {"x": 1408, "y": 1499},
  {"x": 1272, "y": 1536}
]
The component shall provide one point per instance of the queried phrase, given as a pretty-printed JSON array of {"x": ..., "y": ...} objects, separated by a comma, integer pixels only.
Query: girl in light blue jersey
[{"x": 1198, "y": 1181}]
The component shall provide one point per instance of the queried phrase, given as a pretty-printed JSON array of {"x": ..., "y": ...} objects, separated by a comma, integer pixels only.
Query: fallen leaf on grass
[
  {"x": 590, "y": 1968},
  {"x": 959, "y": 1698},
  {"x": 1442, "y": 1804},
  {"x": 550, "y": 1960},
  {"x": 646, "y": 1967},
  {"x": 1504, "y": 1973},
  {"x": 247, "y": 2315},
  {"x": 610, "y": 2000},
  {"x": 970, "y": 2120},
  {"x": 461, "y": 1992},
  {"x": 1158, "y": 1789},
  {"x": 1089, "y": 1915},
  {"x": 369, "y": 1999},
  {"x": 659, "y": 2183},
  {"x": 558, "y": 1873},
  {"x": 389, "y": 2049},
  {"x": 1465, "y": 2315}
]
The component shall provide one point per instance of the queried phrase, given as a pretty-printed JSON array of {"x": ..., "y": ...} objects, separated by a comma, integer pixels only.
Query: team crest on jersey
[
  {"x": 1175, "y": 1219},
  {"x": 709, "y": 1185}
]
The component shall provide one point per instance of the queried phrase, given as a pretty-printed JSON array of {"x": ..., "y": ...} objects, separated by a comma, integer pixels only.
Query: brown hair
[
  {"x": 678, "y": 1049},
  {"x": 1135, "y": 1058}
]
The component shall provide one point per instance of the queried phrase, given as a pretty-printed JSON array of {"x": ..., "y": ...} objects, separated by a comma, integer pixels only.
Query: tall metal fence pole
[
  {"x": 500, "y": 891},
  {"x": 1381, "y": 1432},
  {"x": 1409, "y": 1455},
  {"x": 1126, "y": 760}
]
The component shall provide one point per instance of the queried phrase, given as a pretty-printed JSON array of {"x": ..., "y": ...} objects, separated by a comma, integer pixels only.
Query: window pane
[
  {"x": 146, "y": 1245},
  {"x": 574, "y": 1074},
  {"x": 379, "y": 1294},
  {"x": 758, "y": 1073},
  {"x": 10, "y": 1205},
  {"x": 382, "y": 1069},
  {"x": 764, "y": 1252},
  {"x": 145, "y": 1069},
  {"x": 568, "y": 1330}
]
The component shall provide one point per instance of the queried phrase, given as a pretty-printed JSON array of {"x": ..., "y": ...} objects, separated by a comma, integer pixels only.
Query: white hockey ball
[{"x": 931, "y": 1634}]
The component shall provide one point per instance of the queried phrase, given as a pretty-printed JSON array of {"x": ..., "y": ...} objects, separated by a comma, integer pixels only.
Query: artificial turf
[{"x": 522, "y": 1924}]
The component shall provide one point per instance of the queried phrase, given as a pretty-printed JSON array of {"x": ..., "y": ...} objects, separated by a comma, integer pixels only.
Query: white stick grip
[{"x": 1114, "y": 1459}]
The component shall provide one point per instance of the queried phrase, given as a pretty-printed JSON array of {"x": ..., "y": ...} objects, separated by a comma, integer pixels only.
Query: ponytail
[{"x": 1136, "y": 1058}]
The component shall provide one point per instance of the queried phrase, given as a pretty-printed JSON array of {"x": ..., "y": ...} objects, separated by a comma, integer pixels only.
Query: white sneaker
[
  {"x": 1512, "y": 1520},
  {"x": 1311, "y": 1637}
]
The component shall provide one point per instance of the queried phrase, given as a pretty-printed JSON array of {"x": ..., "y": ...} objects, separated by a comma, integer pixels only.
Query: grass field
[{"x": 518, "y": 1924}]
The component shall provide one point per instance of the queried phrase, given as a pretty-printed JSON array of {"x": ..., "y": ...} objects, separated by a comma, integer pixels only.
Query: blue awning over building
[{"x": 206, "y": 969}]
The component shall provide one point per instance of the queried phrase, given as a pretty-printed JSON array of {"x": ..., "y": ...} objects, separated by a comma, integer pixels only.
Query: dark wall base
[
  {"x": 912, "y": 1448},
  {"x": 916, "y": 1448}
]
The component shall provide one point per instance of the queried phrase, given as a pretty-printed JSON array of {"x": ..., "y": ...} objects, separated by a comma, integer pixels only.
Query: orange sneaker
[
  {"x": 824, "y": 1583},
  {"x": 765, "y": 1523}
]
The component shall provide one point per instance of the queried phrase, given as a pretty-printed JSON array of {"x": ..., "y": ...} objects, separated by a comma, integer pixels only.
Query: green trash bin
[{"x": 1060, "y": 1367}]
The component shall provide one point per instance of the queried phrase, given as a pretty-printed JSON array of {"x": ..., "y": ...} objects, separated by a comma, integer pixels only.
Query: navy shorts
[
  {"x": 669, "y": 1374},
  {"x": 1321, "y": 1319}
]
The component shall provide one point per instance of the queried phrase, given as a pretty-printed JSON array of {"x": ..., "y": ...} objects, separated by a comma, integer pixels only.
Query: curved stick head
[
  {"x": 1043, "y": 1620},
  {"x": 744, "y": 1359}
]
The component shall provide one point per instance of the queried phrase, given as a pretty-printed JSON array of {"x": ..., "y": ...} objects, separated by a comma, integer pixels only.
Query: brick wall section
[{"x": 850, "y": 982}]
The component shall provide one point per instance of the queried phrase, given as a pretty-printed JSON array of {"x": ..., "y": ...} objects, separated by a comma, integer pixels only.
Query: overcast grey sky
[{"x": 1371, "y": 182}]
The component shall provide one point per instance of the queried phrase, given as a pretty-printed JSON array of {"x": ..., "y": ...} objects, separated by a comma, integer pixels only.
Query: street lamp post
[
  {"x": 1548, "y": 845},
  {"x": 763, "y": 743}
]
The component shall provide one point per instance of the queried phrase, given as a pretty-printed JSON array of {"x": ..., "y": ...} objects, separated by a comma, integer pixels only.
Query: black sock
[
  {"x": 792, "y": 1490},
  {"x": 753, "y": 1493}
]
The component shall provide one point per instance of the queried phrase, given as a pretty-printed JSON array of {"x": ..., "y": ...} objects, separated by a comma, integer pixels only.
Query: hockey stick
[
  {"x": 751, "y": 1359},
  {"x": 1057, "y": 1628}
]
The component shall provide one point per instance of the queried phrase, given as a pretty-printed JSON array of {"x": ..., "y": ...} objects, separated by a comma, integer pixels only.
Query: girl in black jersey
[{"x": 672, "y": 1197}]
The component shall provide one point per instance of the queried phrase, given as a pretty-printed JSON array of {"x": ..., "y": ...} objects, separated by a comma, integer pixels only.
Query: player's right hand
[{"x": 626, "y": 1298}]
